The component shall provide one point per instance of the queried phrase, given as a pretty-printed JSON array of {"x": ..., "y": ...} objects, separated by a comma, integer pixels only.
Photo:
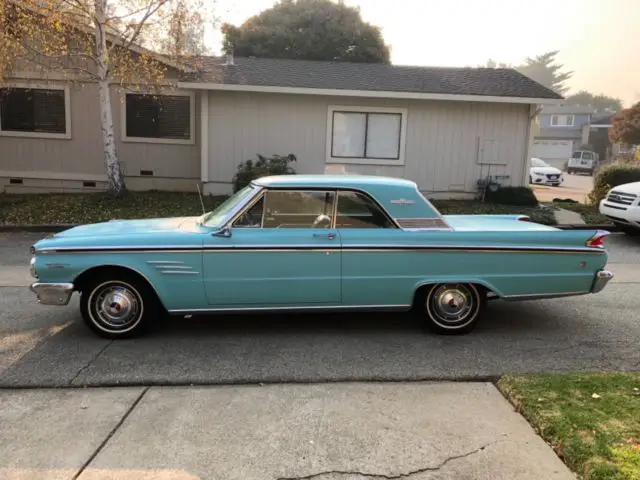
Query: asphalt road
[{"x": 49, "y": 346}]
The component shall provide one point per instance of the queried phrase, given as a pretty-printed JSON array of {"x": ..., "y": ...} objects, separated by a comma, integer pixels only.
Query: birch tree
[{"x": 102, "y": 42}]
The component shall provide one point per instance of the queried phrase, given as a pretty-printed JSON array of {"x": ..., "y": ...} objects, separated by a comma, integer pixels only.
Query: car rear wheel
[
  {"x": 119, "y": 306},
  {"x": 452, "y": 308}
]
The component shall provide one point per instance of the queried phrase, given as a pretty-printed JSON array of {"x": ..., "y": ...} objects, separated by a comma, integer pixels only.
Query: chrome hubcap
[
  {"x": 452, "y": 303},
  {"x": 117, "y": 306}
]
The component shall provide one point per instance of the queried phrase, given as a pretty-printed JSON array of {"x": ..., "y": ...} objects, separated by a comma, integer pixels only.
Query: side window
[
  {"x": 252, "y": 218},
  {"x": 298, "y": 209},
  {"x": 356, "y": 210}
]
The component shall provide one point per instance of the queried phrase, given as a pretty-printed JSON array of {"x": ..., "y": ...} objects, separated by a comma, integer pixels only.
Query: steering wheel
[{"x": 320, "y": 219}]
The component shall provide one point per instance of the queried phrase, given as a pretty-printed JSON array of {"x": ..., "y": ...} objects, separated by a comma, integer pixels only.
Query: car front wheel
[
  {"x": 118, "y": 306},
  {"x": 452, "y": 308}
]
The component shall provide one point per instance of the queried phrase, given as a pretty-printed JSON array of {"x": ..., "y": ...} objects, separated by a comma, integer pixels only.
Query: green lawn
[
  {"x": 52, "y": 209},
  {"x": 27, "y": 209},
  {"x": 591, "y": 420}
]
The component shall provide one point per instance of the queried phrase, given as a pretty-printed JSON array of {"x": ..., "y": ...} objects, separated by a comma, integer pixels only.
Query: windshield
[
  {"x": 217, "y": 216},
  {"x": 536, "y": 162}
]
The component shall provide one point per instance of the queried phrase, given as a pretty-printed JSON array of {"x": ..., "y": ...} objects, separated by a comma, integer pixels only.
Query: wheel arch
[{"x": 83, "y": 277}]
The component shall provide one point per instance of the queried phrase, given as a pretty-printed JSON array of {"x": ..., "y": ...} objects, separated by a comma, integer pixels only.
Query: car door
[
  {"x": 373, "y": 272},
  {"x": 282, "y": 251}
]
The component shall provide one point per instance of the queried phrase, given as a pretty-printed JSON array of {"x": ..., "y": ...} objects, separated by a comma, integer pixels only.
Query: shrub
[
  {"x": 520, "y": 196},
  {"x": 264, "y": 166},
  {"x": 610, "y": 176}
]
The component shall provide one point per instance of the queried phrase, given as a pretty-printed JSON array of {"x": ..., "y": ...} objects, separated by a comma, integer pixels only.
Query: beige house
[{"x": 444, "y": 128}]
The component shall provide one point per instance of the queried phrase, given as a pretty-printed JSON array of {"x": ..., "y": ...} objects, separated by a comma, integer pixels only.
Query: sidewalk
[{"x": 331, "y": 431}]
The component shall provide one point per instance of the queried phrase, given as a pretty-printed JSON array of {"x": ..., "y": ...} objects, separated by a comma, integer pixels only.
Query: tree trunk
[{"x": 116, "y": 186}]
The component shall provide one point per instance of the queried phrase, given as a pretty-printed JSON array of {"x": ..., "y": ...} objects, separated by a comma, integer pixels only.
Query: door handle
[{"x": 330, "y": 236}]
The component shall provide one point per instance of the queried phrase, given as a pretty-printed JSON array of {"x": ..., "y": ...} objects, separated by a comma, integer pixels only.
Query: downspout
[
  {"x": 204, "y": 136},
  {"x": 534, "y": 110}
]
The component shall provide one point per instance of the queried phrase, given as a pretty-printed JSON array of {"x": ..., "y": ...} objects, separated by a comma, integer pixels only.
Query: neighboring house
[
  {"x": 562, "y": 129},
  {"x": 444, "y": 128}
]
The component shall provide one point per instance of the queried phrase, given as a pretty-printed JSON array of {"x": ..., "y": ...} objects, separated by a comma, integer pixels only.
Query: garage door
[{"x": 552, "y": 149}]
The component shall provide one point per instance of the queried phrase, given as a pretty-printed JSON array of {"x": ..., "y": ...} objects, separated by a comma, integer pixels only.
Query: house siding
[
  {"x": 46, "y": 164},
  {"x": 442, "y": 139}
]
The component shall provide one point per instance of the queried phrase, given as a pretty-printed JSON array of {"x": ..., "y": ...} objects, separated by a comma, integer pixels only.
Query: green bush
[
  {"x": 610, "y": 176},
  {"x": 520, "y": 196},
  {"x": 264, "y": 166}
]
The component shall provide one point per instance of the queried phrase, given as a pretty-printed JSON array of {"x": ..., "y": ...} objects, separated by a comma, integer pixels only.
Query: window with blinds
[
  {"x": 34, "y": 110},
  {"x": 158, "y": 116}
]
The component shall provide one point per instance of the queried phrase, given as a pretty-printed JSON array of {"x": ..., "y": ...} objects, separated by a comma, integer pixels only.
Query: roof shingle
[{"x": 266, "y": 72}]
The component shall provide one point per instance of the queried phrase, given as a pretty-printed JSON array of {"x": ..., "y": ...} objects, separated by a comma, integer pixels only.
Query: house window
[
  {"x": 366, "y": 135},
  {"x": 33, "y": 111},
  {"x": 165, "y": 118},
  {"x": 562, "y": 120}
]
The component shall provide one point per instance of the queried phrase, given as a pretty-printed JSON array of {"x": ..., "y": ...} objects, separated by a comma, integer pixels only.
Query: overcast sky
[{"x": 598, "y": 39}]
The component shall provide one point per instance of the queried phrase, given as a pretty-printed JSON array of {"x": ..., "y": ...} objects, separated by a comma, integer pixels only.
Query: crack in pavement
[
  {"x": 90, "y": 362},
  {"x": 111, "y": 433},
  {"x": 382, "y": 476}
]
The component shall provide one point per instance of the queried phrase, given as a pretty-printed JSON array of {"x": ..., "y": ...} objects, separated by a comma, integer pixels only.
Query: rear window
[
  {"x": 587, "y": 156},
  {"x": 576, "y": 155}
]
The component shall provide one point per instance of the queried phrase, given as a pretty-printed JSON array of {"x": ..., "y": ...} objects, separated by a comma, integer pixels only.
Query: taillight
[
  {"x": 524, "y": 218},
  {"x": 597, "y": 240}
]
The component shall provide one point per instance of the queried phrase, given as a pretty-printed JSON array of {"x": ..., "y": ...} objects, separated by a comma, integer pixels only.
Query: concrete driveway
[
  {"x": 576, "y": 187},
  {"x": 418, "y": 431},
  {"x": 49, "y": 346}
]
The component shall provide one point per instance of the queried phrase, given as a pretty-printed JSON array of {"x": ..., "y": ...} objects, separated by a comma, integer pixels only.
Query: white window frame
[
  {"x": 174, "y": 141},
  {"x": 403, "y": 112},
  {"x": 67, "y": 111},
  {"x": 569, "y": 117}
]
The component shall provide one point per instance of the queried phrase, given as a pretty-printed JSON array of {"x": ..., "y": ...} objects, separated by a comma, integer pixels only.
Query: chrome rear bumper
[
  {"x": 52, "y": 293},
  {"x": 602, "y": 278}
]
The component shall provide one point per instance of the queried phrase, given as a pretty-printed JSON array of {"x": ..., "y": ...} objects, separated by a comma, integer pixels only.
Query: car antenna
[{"x": 200, "y": 197}]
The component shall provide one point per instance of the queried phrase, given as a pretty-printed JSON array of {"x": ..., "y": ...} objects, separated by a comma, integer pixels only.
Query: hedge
[{"x": 610, "y": 176}]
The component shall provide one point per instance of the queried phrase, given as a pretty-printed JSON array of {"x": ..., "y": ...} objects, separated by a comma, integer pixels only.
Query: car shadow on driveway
[{"x": 513, "y": 338}]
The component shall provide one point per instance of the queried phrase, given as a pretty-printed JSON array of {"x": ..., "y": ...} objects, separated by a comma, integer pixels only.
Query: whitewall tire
[
  {"x": 452, "y": 308},
  {"x": 118, "y": 305}
]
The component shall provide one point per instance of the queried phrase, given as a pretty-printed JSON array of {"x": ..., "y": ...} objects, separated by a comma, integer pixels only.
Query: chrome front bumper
[
  {"x": 52, "y": 293},
  {"x": 602, "y": 278}
]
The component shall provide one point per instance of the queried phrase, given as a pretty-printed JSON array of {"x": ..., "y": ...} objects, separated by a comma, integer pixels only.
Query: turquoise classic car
[{"x": 314, "y": 243}]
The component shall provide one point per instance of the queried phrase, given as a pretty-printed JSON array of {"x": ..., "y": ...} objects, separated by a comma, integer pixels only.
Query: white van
[{"x": 582, "y": 161}]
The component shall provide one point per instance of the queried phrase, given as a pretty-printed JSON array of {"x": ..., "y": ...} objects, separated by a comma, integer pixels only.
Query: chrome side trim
[
  {"x": 541, "y": 296},
  {"x": 172, "y": 267},
  {"x": 602, "y": 278},
  {"x": 289, "y": 309},
  {"x": 332, "y": 247},
  {"x": 52, "y": 293},
  {"x": 164, "y": 262},
  {"x": 426, "y": 223}
]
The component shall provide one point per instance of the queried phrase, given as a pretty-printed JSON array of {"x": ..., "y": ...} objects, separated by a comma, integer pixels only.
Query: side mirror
[{"x": 223, "y": 232}]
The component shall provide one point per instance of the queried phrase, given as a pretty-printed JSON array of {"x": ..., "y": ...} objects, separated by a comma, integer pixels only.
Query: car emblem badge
[{"x": 402, "y": 201}]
